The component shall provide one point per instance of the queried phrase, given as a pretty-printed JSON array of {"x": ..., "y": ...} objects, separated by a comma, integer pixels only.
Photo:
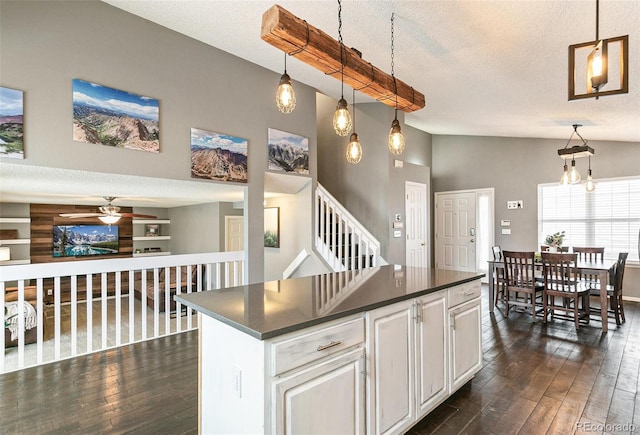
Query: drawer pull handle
[
  {"x": 469, "y": 293},
  {"x": 327, "y": 346}
]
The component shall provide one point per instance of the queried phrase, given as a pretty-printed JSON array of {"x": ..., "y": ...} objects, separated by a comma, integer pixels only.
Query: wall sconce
[{"x": 594, "y": 60}]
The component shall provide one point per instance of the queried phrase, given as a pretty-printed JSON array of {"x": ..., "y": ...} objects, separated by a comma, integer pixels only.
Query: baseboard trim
[{"x": 631, "y": 298}]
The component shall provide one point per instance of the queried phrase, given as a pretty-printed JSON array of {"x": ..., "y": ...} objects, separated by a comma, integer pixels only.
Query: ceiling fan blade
[
  {"x": 137, "y": 215},
  {"x": 80, "y": 215}
]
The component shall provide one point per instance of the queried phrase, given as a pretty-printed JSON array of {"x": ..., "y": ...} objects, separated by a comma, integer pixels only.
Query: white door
[
  {"x": 456, "y": 231},
  {"x": 391, "y": 368},
  {"x": 417, "y": 215}
]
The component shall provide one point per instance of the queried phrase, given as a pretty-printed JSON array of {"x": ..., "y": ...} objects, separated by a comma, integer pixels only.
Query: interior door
[
  {"x": 416, "y": 221},
  {"x": 234, "y": 241},
  {"x": 456, "y": 231}
]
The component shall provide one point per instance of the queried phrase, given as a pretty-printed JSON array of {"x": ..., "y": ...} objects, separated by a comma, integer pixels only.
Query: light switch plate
[
  {"x": 506, "y": 231},
  {"x": 505, "y": 223},
  {"x": 397, "y": 234}
]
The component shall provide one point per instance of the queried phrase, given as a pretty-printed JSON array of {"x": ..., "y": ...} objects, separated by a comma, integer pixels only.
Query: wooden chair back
[
  {"x": 519, "y": 269},
  {"x": 560, "y": 271},
  {"x": 589, "y": 254},
  {"x": 619, "y": 271}
]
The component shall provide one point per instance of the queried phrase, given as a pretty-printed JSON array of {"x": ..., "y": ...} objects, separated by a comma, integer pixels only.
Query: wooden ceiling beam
[{"x": 314, "y": 47}]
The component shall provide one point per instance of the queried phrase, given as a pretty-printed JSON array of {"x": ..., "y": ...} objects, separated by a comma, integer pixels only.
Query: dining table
[{"x": 599, "y": 268}]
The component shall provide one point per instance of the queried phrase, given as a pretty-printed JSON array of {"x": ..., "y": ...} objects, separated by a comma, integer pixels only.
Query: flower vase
[{"x": 553, "y": 249}]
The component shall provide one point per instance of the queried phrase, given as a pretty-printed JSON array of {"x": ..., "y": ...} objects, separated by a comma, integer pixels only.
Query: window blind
[{"x": 609, "y": 216}]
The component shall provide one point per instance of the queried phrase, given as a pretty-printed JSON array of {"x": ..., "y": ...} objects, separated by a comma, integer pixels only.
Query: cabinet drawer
[
  {"x": 463, "y": 293},
  {"x": 303, "y": 349}
]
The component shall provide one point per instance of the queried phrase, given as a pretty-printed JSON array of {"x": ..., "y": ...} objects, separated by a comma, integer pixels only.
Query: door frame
[
  {"x": 490, "y": 192},
  {"x": 427, "y": 220}
]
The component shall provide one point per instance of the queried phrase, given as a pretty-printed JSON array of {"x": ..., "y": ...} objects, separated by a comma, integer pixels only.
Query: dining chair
[
  {"x": 561, "y": 280},
  {"x": 500, "y": 282},
  {"x": 614, "y": 290},
  {"x": 591, "y": 255},
  {"x": 519, "y": 275}
]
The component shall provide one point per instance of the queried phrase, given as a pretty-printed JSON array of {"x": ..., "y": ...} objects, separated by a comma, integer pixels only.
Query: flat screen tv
[{"x": 85, "y": 240}]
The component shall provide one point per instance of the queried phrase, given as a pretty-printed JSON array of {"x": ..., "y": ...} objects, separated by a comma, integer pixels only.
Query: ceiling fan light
[{"x": 109, "y": 219}]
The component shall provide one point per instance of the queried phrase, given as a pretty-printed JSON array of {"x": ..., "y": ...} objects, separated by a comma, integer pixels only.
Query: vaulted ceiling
[{"x": 488, "y": 68}]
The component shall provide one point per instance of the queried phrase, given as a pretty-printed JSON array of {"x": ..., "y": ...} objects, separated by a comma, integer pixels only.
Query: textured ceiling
[{"x": 488, "y": 68}]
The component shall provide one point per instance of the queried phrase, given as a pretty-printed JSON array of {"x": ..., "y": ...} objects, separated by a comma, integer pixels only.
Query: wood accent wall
[{"x": 45, "y": 216}]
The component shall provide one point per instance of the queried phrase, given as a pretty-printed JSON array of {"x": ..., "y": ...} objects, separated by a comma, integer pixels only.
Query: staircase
[{"x": 342, "y": 241}]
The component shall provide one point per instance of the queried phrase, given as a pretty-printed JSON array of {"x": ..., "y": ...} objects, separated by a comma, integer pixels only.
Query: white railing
[
  {"x": 295, "y": 264},
  {"x": 72, "y": 308},
  {"x": 343, "y": 242},
  {"x": 333, "y": 288}
]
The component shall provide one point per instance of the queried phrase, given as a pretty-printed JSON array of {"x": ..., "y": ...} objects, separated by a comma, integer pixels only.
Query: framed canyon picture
[
  {"x": 217, "y": 156},
  {"x": 288, "y": 152},
  {"x": 107, "y": 116}
]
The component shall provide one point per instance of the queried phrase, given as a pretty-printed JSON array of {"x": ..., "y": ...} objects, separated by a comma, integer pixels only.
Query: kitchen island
[{"x": 364, "y": 351}]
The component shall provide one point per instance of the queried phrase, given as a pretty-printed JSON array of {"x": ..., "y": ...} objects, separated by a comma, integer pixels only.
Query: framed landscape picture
[
  {"x": 272, "y": 227},
  {"x": 11, "y": 126},
  {"x": 116, "y": 118},
  {"x": 217, "y": 156},
  {"x": 288, "y": 152},
  {"x": 151, "y": 230}
]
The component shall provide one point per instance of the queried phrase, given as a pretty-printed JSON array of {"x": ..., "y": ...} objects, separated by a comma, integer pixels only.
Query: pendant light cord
[
  {"x": 285, "y": 62},
  {"x": 341, "y": 45},
  {"x": 395, "y": 85},
  {"x": 354, "y": 110},
  {"x": 597, "y": 20}
]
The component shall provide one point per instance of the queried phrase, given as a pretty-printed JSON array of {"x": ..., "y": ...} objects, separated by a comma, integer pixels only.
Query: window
[{"x": 608, "y": 216}]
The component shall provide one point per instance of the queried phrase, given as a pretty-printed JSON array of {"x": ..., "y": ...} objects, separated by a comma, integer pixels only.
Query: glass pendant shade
[
  {"x": 590, "y": 185},
  {"x": 342, "y": 119},
  {"x": 396, "y": 139},
  {"x": 564, "y": 180},
  {"x": 574, "y": 175},
  {"x": 285, "y": 95},
  {"x": 354, "y": 150},
  {"x": 109, "y": 219}
]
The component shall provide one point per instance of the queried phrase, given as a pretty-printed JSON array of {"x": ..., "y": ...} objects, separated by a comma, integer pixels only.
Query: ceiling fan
[{"x": 109, "y": 213}]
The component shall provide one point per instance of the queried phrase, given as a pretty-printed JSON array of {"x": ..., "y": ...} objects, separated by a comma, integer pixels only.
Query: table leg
[
  {"x": 604, "y": 278},
  {"x": 492, "y": 272}
]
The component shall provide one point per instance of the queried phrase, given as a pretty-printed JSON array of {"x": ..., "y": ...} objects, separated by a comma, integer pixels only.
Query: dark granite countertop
[{"x": 269, "y": 309}]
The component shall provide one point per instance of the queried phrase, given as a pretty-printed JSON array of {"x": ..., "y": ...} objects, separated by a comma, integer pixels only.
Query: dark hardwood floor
[{"x": 536, "y": 379}]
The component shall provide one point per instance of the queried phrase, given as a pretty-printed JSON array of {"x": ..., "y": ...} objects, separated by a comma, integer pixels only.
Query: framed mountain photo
[
  {"x": 11, "y": 125},
  {"x": 288, "y": 152},
  {"x": 217, "y": 156},
  {"x": 116, "y": 118}
]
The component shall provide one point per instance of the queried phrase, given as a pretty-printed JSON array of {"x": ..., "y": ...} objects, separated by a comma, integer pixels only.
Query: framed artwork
[
  {"x": 288, "y": 152},
  {"x": 217, "y": 156},
  {"x": 272, "y": 227},
  {"x": 116, "y": 118},
  {"x": 151, "y": 230},
  {"x": 11, "y": 127}
]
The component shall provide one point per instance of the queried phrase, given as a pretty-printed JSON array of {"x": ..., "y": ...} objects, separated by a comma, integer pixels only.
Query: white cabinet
[
  {"x": 325, "y": 398},
  {"x": 465, "y": 334},
  {"x": 407, "y": 348}
]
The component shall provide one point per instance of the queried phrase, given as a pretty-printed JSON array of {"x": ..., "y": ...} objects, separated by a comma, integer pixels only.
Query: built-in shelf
[
  {"x": 150, "y": 254},
  {"x": 150, "y": 221},
  {"x": 14, "y": 262},
  {"x": 15, "y": 220},
  {"x": 149, "y": 238},
  {"x": 15, "y": 242}
]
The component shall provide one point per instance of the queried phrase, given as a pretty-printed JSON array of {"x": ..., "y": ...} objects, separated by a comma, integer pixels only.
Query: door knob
[{"x": 472, "y": 240}]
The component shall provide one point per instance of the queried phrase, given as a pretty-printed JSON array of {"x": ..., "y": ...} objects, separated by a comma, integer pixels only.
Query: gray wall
[
  {"x": 372, "y": 190},
  {"x": 515, "y": 167},
  {"x": 46, "y": 44}
]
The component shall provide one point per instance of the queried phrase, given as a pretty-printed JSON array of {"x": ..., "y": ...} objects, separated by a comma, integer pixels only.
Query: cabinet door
[
  {"x": 327, "y": 398},
  {"x": 465, "y": 343},
  {"x": 390, "y": 390},
  {"x": 431, "y": 353}
]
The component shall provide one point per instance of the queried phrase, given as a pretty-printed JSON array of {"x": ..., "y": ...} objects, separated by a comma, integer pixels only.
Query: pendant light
[
  {"x": 285, "y": 95},
  {"x": 342, "y": 117},
  {"x": 564, "y": 180},
  {"x": 574, "y": 175},
  {"x": 396, "y": 139},
  {"x": 354, "y": 150},
  {"x": 590, "y": 185}
]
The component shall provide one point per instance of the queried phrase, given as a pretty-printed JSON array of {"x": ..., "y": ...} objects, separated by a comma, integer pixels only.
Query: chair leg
[
  {"x": 621, "y": 307},
  {"x": 576, "y": 316},
  {"x": 545, "y": 297},
  {"x": 613, "y": 300}
]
